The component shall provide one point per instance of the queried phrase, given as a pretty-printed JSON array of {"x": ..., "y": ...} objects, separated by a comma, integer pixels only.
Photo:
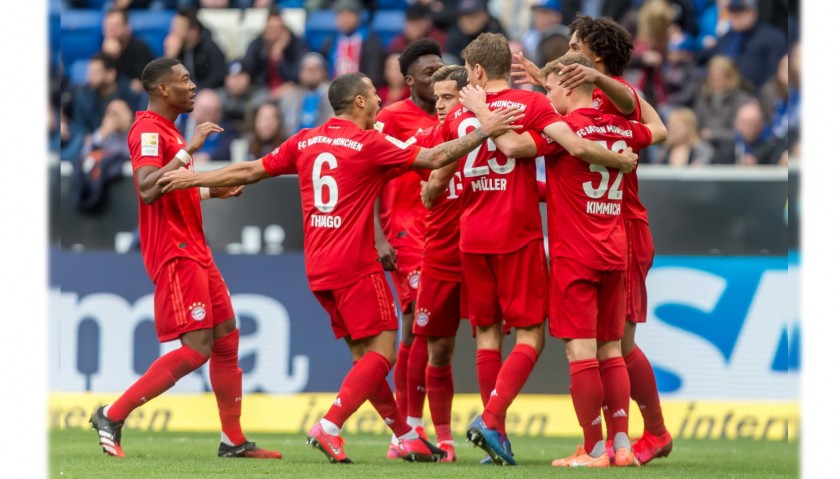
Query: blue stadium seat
[
  {"x": 81, "y": 34},
  {"x": 151, "y": 26},
  {"x": 99, "y": 4},
  {"x": 388, "y": 24},
  {"x": 77, "y": 73},
  {"x": 391, "y": 5},
  {"x": 290, "y": 3},
  {"x": 319, "y": 25}
]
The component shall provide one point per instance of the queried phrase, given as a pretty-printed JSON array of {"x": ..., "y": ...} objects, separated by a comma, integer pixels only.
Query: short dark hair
[
  {"x": 344, "y": 90},
  {"x": 415, "y": 50},
  {"x": 605, "y": 38},
  {"x": 108, "y": 62},
  {"x": 156, "y": 71},
  {"x": 191, "y": 14},
  {"x": 456, "y": 73},
  {"x": 492, "y": 52}
]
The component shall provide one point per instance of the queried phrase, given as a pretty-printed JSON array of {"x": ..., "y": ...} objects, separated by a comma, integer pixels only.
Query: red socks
[
  {"x": 400, "y": 378},
  {"x": 488, "y": 363},
  {"x": 383, "y": 401},
  {"x": 512, "y": 377},
  {"x": 643, "y": 390},
  {"x": 616, "y": 385},
  {"x": 587, "y": 397},
  {"x": 418, "y": 357},
  {"x": 441, "y": 390},
  {"x": 226, "y": 379},
  {"x": 362, "y": 382},
  {"x": 161, "y": 375}
]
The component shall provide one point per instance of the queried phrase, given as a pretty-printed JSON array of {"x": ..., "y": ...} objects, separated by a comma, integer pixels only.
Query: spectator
[
  {"x": 553, "y": 46},
  {"x": 192, "y": 45},
  {"x": 208, "y": 107},
  {"x": 753, "y": 144},
  {"x": 755, "y": 46},
  {"x": 394, "y": 89},
  {"x": 239, "y": 98},
  {"x": 649, "y": 48},
  {"x": 130, "y": 53},
  {"x": 794, "y": 99},
  {"x": 268, "y": 131},
  {"x": 680, "y": 73},
  {"x": 418, "y": 24},
  {"x": 719, "y": 99},
  {"x": 103, "y": 85},
  {"x": 615, "y": 9},
  {"x": 273, "y": 58},
  {"x": 354, "y": 47},
  {"x": 102, "y": 157},
  {"x": 546, "y": 19},
  {"x": 774, "y": 98},
  {"x": 307, "y": 105},
  {"x": 473, "y": 20},
  {"x": 684, "y": 145},
  {"x": 714, "y": 23}
]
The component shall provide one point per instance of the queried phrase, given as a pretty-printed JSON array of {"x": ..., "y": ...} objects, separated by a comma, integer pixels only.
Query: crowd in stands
[{"x": 723, "y": 73}]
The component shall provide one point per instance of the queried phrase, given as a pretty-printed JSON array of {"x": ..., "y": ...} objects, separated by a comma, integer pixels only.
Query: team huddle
[{"x": 441, "y": 190}]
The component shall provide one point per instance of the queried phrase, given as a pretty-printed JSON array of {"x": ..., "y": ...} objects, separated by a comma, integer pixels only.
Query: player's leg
[
  {"x": 181, "y": 296},
  {"x": 656, "y": 440},
  {"x": 573, "y": 304}
]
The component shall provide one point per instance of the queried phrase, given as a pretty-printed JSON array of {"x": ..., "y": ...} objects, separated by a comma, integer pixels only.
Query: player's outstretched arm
[
  {"x": 512, "y": 144},
  {"x": 233, "y": 175},
  {"x": 526, "y": 72},
  {"x": 446, "y": 153},
  {"x": 576, "y": 74},
  {"x": 437, "y": 184},
  {"x": 651, "y": 119},
  {"x": 589, "y": 151}
]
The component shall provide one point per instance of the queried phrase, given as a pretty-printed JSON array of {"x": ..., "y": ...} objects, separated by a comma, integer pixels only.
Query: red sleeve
[
  {"x": 446, "y": 127},
  {"x": 283, "y": 159},
  {"x": 641, "y": 136},
  {"x": 542, "y": 113},
  {"x": 384, "y": 122},
  {"x": 145, "y": 146},
  {"x": 393, "y": 156},
  {"x": 545, "y": 144},
  {"x": 428, "y": 138}
]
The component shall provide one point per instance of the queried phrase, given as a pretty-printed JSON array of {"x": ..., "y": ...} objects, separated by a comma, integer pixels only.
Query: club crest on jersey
[
  {"x": 197, "y": 311},
  {"x": 422, "y": 317},
  {"x": 414, "y": 279}
]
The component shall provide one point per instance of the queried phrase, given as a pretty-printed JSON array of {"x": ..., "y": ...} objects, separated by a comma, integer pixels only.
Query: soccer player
[
  {"x": 588, "y": 259},
  {"x": 502, "y": 256},
  {"x": 342, "y": 166},
  {"x": 403, "y": 224},
  {"x": 192, "y": 303},
  {"x": 609, "y": 47}
]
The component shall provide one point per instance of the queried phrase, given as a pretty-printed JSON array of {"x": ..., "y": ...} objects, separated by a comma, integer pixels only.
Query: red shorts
[
  {"x": 440, "y": 307},
  {"x": 361, "y": 310},
  {"x": 586, "y": 303},
  {"x": 188, "y": 297},
  {"x": 639, "y": 261},
  {"x": 509, "y": 286},
  {"x": 406, "y": 278}
]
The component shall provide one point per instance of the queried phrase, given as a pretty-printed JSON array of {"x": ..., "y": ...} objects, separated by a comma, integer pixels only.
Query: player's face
[
  {"x": 471, "y": 75},
  {"x": 446, "y": 97},
  {"x": 372, "y": 102},
  {"x": 180, "y": 89},
  {"x": 556, "y": 94},
  {"x": 419, "y": 77},
  {"x": 577, "y": 46}
]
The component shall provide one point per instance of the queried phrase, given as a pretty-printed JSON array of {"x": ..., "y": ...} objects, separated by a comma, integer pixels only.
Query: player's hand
[
  {"x": 526, "y": 72},
  {"x": 202, "y": 131},
  {"x": 387, "y": 255},
  {"x": 473, "y": 97},
  {"x": 629, "y": 160},
  {"x": 225, "y": 192},
  {"x": 501, "y": 120},
  {"x": 425, "y": 194},
  {"x": 572, "y": 76},
  {"x": 179, "y": 179}
]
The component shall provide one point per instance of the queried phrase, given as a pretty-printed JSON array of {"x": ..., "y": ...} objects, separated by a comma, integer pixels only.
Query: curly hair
[
  {"x": 605, "y": 38},
  {"x": 415, "y": 50}
]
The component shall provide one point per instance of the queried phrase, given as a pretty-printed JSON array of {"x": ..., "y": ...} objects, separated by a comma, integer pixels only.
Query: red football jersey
[
  {"x": 341, "y": 169},
  {"x": 401, "y": 211},
  {"x": 170, "y": 227},
  {"x": 584, "y": 201},
  {"x": 441, "y": 255},
  {"x": 500, "y": 201},
  {"x": 633, "y": 207}
]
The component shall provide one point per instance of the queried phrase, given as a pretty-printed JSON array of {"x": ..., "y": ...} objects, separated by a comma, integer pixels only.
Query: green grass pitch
[{"x": 75, "y": 454}]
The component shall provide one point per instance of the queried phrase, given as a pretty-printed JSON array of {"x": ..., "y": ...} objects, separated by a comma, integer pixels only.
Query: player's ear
[
  {"x": 409, "y": 80},
  {"x": 360, "y": 101}
]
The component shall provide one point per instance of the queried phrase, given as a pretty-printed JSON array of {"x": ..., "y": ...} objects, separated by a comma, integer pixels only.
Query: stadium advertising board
[{"x": 722, "y": 335}]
